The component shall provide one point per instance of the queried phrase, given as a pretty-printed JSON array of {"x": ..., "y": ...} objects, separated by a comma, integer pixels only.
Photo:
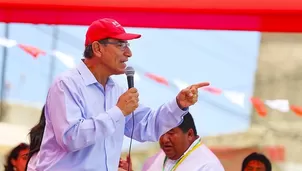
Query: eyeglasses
[{"x": 121, "y": 45}]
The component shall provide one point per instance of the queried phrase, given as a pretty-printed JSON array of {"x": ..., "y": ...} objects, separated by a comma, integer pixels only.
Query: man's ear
[
  {"x": 190, "y": 134},
  {"x": 97, "y": 49}
]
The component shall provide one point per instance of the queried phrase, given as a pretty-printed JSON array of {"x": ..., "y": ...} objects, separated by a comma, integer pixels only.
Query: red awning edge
[
  {"x": 253, "y": 15},
  {"x": 264, "y": 23}
]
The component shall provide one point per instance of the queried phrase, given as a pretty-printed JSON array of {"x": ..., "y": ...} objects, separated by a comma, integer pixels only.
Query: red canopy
[{"x": 264, "y": 15}]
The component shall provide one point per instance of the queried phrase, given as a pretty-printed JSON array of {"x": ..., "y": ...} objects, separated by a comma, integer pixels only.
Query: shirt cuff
[
  {"x": 115, "y": 114},
  {"x": 184, "y": 109},
  {"x": 175, "y": 110}
]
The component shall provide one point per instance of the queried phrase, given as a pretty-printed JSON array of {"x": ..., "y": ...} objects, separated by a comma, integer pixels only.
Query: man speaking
[{"x": 87, "y": 113}]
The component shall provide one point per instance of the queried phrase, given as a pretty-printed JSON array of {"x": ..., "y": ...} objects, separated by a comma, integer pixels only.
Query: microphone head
[{"x": 130, "y": 71}]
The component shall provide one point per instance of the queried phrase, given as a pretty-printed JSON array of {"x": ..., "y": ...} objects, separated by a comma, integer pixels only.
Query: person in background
[
  {"x": 183, "y": 150},
  {"x": 17, "y": 158},
  {"x": 256, "y": 162},
  {"x": 35, "y": 136}
]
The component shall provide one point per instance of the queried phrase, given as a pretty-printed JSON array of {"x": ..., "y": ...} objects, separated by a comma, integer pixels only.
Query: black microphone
[{"x": 130, "y": 74}]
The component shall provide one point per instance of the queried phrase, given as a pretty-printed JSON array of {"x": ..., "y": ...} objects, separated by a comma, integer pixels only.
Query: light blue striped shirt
[{"x": 85, "y": 129}]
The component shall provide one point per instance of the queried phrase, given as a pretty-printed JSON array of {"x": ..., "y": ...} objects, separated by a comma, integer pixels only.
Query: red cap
[{"x": 107, "y": 28}]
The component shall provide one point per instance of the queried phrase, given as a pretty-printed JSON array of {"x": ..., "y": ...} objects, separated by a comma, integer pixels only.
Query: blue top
[{"x": 85, "y": 129}]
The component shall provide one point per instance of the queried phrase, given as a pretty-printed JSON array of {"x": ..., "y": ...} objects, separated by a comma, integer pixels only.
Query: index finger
[
  {"x": 132, "y": 90},
  {"x": 199, "y": 85}
]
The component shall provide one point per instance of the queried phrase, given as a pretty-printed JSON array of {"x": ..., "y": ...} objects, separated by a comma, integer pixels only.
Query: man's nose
[
  {"x": 165, "y": 138},
  {"x": 127, "y": 52}
]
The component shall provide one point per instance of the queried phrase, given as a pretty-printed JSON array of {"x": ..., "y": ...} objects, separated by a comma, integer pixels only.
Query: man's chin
[
  {"x": 170, "y": 155},
  {"x": 120, "y": 72}
]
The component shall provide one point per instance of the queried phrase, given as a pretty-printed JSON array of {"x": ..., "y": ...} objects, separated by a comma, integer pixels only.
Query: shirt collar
[{"x": 88, "y": 77}]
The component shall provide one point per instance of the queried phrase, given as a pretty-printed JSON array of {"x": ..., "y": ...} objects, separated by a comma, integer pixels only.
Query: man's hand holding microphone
[{"x": 129, "y": 101}]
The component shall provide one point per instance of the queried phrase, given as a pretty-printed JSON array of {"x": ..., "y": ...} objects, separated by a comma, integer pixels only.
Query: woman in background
[
  {"x": 36, "y": 135},
  {"x": 17, "y": 158}
]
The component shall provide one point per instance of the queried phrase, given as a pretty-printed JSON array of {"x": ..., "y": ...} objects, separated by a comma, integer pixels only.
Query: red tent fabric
[{"x": 266, "y": 15}]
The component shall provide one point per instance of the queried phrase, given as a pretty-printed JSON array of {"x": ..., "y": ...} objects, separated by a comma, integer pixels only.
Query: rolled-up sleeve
[
  {"x": 150, "y": 124},
  {"x": 72, "y": 130}
]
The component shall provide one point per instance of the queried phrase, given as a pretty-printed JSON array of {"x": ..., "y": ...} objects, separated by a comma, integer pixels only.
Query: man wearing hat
[{"x": 87, "y": 113}]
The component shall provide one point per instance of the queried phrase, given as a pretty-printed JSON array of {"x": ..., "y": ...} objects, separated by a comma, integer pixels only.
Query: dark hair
[
  {"x": 188, "y": 123},
  {"x": 14, "y": 154},
  {"x": 258, "y": 157},
  {"x": 88, "y": 52},
  {"x": 36, "y": 136}
]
